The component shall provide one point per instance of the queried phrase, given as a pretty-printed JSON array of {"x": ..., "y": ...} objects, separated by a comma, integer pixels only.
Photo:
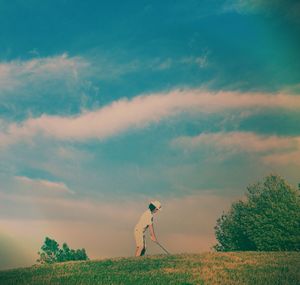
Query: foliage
[
  {"x": 51, "y": 253},
  {"x": 259, "y": 268},
  {"x": 268, "y": 219}
]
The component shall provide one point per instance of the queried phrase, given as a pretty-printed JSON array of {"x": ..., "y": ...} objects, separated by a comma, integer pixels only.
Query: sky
[{"x": 107, "y": 105}]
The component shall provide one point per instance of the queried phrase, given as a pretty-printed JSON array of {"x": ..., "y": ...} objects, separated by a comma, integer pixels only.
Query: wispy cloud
[
  {"x": 287, "y": 9},
  {"x": 162, "y": 64},
  {"x": 17, "y": 73},
  {"x": 124, "y": 114},
  {"x": 41, "y": 184},
  {"x": 110, "y": 69},
  {"x": 271, "y": 149},
  {"x": 285, "y": 158},
  {"x": 200, "y": 61},
  {"x": 238, "y": 141}
]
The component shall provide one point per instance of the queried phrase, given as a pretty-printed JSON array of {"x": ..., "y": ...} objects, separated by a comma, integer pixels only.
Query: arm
[{"x": 152, "y": 234}]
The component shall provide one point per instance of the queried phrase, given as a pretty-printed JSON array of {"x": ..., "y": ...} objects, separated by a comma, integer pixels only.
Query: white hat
[{"x": 157, "y": 204}]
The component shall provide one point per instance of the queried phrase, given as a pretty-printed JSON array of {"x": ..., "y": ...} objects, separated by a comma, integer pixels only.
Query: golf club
[{"x": 162, "y": 248}]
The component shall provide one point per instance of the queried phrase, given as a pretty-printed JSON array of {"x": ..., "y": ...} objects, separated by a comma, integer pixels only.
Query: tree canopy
[
  {"x": 268, "y": 219},
  {"x": 51, "y": 253}
]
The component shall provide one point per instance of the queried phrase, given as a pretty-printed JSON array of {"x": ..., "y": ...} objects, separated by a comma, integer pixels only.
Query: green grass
[{"x": 265, "y": 268}]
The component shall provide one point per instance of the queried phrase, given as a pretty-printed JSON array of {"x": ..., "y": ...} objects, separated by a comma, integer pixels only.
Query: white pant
[{"x": 139, "y": 236}]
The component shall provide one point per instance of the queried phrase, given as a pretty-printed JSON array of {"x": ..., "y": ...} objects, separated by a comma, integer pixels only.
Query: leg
[
  {"x": 143, "y": 251},
  {"x": 138, "y": 251},
  {"x": 140, "y": 244},
  {"x": 144, "y": 246}
]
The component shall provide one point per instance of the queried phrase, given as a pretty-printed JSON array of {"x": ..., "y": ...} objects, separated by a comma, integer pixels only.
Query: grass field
[{"x": 207, "y": 268}]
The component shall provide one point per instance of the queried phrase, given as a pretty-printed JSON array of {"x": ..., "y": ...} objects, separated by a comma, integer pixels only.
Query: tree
[
  {"x": 267, "y": 220},
  {"x": 50, "y": 250},
  {"x": 51, "y": 253}
]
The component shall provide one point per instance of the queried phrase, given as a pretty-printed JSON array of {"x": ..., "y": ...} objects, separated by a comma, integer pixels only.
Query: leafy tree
[
  {"x": 267, "y": 220},
  {"x": 51, "y": 253},
  {"x": 50, "y": 250}
]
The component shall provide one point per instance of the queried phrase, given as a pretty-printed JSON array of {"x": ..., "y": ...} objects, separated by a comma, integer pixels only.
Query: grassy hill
[{"x": 207, "y": 268}]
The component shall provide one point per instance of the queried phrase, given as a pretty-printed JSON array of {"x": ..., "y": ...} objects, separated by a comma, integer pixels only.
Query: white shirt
[{"x": 145, "y": 221}]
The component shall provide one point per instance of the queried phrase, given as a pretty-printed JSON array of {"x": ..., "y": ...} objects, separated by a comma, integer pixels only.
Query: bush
[
  {"x": 268, "y": 219},
  {"x": 51, "y": 253}
]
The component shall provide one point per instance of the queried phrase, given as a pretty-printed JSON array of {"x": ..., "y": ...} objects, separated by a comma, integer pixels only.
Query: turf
[{"x": 265, "y": 268}]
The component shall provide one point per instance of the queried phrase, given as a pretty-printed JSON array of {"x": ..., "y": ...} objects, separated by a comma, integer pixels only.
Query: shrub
[{"x": 51, "y": 253}]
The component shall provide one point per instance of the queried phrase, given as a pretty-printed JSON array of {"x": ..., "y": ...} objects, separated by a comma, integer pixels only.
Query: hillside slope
[{"x": 207, "y": 268}]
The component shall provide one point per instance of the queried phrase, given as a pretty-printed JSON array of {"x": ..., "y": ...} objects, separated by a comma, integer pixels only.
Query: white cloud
[
  {"x": 289, "y": 10},
  {"x": 272, "y": 149},
  {"x": 238, "y": 141},
  {"x": 284, "y": 159},
  {"x": 200, "y": 61},
  {"x": 17, "y": 73},
  {"x": 241, "y": 6},
  {"x": 166, "y": 64},
  {"x": 124, "y": 114},
  {"x": 41, "y": 184},
  {"x": 69, "y": 153},
  {"x": 162, "y": 64}
]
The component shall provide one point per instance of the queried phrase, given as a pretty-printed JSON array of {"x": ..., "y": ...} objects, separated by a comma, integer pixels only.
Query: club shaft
[{"x": 163, "y": 248}]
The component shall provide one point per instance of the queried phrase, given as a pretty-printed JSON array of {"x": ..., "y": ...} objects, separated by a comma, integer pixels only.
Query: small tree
[
  {"x": 51, "y": 252},
  {"x": 268, "y": 219}
]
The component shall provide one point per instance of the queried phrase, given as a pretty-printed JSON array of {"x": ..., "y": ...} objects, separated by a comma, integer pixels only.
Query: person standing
[{"x": 145, "y": 222}]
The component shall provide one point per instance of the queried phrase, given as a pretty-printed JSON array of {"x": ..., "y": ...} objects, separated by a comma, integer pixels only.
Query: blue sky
[{"x": 105, "y": 105}]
